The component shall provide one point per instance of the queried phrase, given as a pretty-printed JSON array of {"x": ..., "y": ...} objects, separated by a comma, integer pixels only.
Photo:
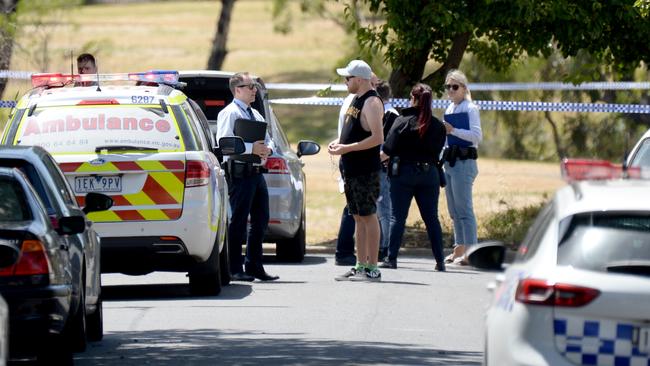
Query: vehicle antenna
[{"x": 97, "y": 73}]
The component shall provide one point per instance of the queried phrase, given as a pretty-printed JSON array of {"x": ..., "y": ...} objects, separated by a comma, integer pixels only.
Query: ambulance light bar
[
  {"x": 169, "y": 77},
  {"x": 591, "y": 169}
]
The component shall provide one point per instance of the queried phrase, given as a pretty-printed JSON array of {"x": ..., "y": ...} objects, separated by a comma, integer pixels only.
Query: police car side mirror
[
  {"x": 487, "y": 255},
  {"x": 306, "y": 147},
  {"x": 97, "y": 202},
  {"x": 231, "y": 145}
]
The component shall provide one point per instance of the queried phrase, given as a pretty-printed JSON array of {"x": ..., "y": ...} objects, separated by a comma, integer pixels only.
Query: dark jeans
[
  {"x": 424, "y": 185},
  {"x": 248, "y": 195},
  {"x": 345, "y": 239}
]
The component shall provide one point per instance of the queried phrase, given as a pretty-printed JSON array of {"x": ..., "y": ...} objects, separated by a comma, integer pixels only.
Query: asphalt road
[{"x": 415, "y": 316}]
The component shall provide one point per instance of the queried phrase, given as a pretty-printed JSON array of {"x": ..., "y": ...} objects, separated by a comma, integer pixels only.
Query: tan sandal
[{"x": 458, "y": 252}]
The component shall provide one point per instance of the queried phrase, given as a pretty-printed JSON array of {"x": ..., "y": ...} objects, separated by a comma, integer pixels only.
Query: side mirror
[
  {"x": 9, "y": 252},
  {"x": 231, "y": 145},
  {"x": 71, "y": 225},
  {"x": 97, "y": 202},
  {"x": 488, "y": 255},
  {"x": 306, "y": 147}
]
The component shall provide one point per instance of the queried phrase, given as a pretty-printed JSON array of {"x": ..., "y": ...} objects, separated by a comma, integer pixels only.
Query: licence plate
[
  {"x": 644, "y": 340},
  {"x": 98, "y": 183}
]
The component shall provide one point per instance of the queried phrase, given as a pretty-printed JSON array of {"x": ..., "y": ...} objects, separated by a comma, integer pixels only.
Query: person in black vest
[
  {"x": 413, "y": 147},
  {"x": 359, "y": 149},
  {"x": 246, "y": 185}
]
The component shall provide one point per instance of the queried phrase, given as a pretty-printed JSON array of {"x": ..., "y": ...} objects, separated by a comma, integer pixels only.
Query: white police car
[
  {"x": 578, "y": 291},
  {"x": 146, "y": 146},
  {"x": 640, "y": 154}
]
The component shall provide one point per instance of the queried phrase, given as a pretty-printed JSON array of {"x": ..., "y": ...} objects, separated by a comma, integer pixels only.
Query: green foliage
[{"x": 510, "y": 226}]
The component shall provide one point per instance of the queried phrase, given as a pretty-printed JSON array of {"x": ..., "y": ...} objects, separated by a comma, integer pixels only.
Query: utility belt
[
  {"x": 455, "y": 152},
  {"x": 240, "y": 169},
  {"x": 395, "y": 164}
]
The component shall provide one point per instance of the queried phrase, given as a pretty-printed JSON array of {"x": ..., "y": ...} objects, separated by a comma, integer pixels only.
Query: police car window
[
  {"x": 34, "y": 179},
  {"x": 189, "y": 135},
  {"x": 277, "y": 134},
  {"x": 13, "y": 127},
  {"x": 203, "y": 121},
  {"x": 196, "y": 127},
  {"x": 13, "y": 206},
  {"x": 535, "y": 234},
  {"x": 61, "y": 184},
  {"x": 607, "y": 242},
  {"x": 642, "y": 155},
  {"x": 80, "y": 129}
]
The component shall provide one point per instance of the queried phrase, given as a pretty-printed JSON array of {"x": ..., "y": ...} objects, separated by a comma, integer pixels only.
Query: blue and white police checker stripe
[
  {"x": 598, "y": 342},
  {"x": 496, "y": 105}
]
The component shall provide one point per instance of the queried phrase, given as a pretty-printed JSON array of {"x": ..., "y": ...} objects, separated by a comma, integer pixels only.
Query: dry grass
[{"x": 501, "y": 184}]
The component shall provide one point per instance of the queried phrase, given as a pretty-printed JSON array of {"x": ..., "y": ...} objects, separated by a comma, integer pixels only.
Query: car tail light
[
  {"x": 542, "y": 292},
  {"x": 197, "y": 173},
  {"x": 277, "y": 166},
  {"x": 33, "y": 261}
]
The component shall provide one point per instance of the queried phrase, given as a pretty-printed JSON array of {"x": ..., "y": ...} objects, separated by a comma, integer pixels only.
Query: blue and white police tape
[
  {"x": 7, "y": 104},
  {"x": 491, "y": 105},
  {"x": 614, "y": 85},
  {"x": 618, "y": 85}
]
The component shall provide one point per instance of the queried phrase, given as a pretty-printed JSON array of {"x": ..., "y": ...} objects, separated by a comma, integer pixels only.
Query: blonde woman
[{"x": 460, "y": 163}]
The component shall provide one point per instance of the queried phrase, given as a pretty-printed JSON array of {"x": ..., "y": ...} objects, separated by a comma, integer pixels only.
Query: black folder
[{"x": 250, "y": 131}]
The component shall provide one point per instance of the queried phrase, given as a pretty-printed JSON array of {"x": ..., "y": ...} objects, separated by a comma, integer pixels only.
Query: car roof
[
  {"x": 602, "y": 195},
  {"x": 122, "y": 93},
  {"x": 28, "y": 153}
]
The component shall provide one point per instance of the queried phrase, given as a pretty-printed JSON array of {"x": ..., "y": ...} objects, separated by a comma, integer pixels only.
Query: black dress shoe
[
  {"x": 263, "y": 276},
  {"x": 241, "y": 276}
]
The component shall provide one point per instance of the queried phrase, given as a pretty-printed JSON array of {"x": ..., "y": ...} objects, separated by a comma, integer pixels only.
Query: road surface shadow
[
  {"x": 175, "y": 291},
  {"x": 212, "y": 347}
]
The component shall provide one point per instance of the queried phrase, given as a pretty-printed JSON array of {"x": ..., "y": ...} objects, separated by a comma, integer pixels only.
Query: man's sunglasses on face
[
  {"x": 452, "y": 86},
  {"x": 348, "y": 78},
  {"x": 250, "y": 86}
]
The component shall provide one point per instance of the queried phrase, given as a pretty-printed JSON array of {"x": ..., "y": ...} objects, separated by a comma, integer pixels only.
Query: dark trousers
[
  {"x": 424, "y": 185},
  {"x": 248, "y": 196},
  {"x": 345, "y": 239}
]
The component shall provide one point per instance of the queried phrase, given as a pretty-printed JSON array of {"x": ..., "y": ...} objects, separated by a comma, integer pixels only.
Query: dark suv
[{"x": 285, "y": 178}]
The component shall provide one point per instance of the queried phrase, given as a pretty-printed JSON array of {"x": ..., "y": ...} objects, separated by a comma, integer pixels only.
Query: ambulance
[{"x": 138, "y": 139}]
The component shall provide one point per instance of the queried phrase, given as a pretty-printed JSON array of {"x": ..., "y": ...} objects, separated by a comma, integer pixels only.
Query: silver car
[{"x": 285, "y": 178}]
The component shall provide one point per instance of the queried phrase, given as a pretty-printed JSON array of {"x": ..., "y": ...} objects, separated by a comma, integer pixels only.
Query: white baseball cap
[{"x": 356, "y": 68}]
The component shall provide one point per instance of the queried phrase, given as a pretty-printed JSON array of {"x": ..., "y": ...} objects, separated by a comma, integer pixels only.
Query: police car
[
  {"x": 640, "y": 154},
  {"x": 146, "y": 147},
  {"x": 578, "y": 291}
]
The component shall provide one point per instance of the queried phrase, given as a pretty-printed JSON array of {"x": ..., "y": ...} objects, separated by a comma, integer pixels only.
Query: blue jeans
[
  {"x": 411, "y": 182},
  {"x": 345, "y": 239},
  {"x": 460, "y": 179},
  {"x": 384, "y": 210}
]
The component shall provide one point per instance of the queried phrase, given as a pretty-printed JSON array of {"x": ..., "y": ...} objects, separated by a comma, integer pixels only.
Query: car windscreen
[
  {"x": 642, "y": 155},
  {"x": 607, "y": 243},
  {"x": 13, "y": 206},
  {"x": 83, "y": 129}
]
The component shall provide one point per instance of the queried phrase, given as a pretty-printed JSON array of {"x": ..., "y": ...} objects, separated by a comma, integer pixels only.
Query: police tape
[
  {"x": 614, "y": 85},
  {"x": 605, "y": 85},
  {"x": 491, "y": 105}
]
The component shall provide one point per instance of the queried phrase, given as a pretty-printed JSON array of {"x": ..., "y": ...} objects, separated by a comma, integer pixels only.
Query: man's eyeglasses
[
  {"x": 452, "y": 86},
  {"x": 348, "y": 78},
  {"x": 250, "y": 86}
]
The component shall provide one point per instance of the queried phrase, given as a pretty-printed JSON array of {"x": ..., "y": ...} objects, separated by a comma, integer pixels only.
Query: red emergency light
[
  {"x": 53, "y": 79},
  {"x": 592, "y": 169},
  {"x": 153, "y": 77}
]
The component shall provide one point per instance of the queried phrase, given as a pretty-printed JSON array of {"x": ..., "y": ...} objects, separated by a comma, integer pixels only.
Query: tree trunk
[
  {"x": 409, "y": 70},
  {"x": 556, "y": 136},
  {"x": 7, "y": 31},
  {"x": 218, "y": 53},
  {"x": 436, "y": 79}
]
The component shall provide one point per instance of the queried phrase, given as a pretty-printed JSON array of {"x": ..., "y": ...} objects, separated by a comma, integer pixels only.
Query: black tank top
[{"x": 361, "y": 162}]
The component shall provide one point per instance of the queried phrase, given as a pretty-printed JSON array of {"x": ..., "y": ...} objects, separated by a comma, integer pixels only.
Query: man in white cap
[{"x": 358, "y": 145}]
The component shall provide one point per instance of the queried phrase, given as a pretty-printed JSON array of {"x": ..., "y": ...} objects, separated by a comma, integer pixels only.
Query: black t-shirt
[
  {"x": 361, "y": 162},
  {"x": 404, "y": 141}
]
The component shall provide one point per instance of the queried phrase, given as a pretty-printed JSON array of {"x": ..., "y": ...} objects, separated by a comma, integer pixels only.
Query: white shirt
[
  {"x": 474, "y": 134},
  {"x": 226, "y": 123}
]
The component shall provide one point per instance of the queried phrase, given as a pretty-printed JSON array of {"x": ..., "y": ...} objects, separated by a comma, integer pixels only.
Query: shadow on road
[
  {"x": 175, "y": 291},
  {"x": 210, "y": 347}
]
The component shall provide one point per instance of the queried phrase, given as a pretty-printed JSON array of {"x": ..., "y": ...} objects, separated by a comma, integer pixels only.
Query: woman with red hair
[{"x": 413, "y": 146}]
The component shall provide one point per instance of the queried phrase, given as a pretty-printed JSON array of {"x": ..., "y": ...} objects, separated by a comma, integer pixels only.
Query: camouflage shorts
[{"x": 361, "y": 193}]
